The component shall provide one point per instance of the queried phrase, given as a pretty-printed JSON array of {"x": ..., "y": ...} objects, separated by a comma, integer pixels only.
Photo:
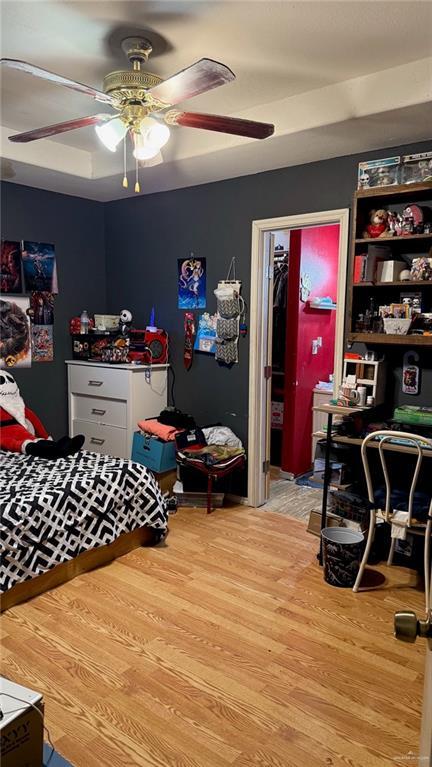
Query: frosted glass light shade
[
  {"x": 158, "y": 134},
  {"x": 144, "y": 150},
  {"x": 111, "y": 133}
]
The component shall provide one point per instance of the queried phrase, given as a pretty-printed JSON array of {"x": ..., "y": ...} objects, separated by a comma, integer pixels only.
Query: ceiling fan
[{"x": 142, "y": 100}]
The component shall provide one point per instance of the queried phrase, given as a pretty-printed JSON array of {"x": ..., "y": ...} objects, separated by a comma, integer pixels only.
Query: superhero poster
[
  {"x": 10, "y": 267},
  {"x": 42, "y": 343},
  {"x": 191, "y": 283},
  {"x": 15, "y": 334},
  {"x": 39, "y": 266}
]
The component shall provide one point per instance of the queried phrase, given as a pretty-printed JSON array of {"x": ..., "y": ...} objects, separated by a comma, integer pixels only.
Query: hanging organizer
[{"x": 230, "y": 307}]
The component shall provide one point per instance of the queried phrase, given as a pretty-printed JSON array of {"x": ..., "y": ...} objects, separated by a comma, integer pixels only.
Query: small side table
[{"x": 330, "y": 410}]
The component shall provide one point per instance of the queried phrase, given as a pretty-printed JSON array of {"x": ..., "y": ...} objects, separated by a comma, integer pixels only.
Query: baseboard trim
[
  {"x": 287, "y": 475},
  {"x": 240, "y": 499}
]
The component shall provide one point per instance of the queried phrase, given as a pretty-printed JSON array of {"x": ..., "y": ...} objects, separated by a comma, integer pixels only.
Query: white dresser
[{"x": 106, "y": 401}]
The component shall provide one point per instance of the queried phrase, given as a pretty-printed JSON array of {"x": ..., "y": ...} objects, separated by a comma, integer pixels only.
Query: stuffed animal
[
  {"x": 378, "y": 226},
  {"x": 21, "y": 431}
]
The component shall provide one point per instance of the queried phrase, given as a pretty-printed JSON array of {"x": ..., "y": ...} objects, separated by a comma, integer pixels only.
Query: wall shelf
[
  {"x": 321, "y": 307},
  {"x": 395, "y": 283},
  {"x": 394, "y": 191},
  {"x": 399, "y": 239},
  {"x": 384, "y": 338}
]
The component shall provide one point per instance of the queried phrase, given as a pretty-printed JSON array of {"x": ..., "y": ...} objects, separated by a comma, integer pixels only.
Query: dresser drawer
[
  {"x": 109, "y": 440},
  {"x": 99, "y": 382},
  {"x": 112, "y": 412}
]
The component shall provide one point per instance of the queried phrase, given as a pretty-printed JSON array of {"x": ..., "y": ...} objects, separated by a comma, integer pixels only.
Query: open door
[
  {"x": 260, "y": 480},
  {"x": 407, "y": 628}
]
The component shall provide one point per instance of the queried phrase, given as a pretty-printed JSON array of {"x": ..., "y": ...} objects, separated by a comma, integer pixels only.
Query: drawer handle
[
  {"x": 96, "y": 441},
  {"x": 96, "y": 411},
  {"x": 95, "y": 383}
]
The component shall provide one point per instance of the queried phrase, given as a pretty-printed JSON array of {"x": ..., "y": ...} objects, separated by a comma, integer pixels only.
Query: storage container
[{"x": 152, "y": 452}]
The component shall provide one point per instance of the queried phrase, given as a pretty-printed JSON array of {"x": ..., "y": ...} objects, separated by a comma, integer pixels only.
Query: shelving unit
[
  {"x": 384, "y": 338},
  {"x": 403, "y": 247}
]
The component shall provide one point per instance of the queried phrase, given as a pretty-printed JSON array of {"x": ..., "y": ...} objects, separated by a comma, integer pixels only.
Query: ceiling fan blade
[
  {"x": 30, "y": 69},
  {"x": 234, "y": 125},
  {"x": 54, "y": 130},
  {"x": 200, "y": 77}
]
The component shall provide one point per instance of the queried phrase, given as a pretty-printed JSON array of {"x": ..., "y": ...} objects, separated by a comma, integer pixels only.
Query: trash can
[{"x": 342, "y": 553}]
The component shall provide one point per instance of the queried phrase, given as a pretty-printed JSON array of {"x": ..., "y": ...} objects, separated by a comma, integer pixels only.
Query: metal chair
[{"x": 417, "y": 445}]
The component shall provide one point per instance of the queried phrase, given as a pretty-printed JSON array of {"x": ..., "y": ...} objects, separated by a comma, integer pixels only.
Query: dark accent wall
[
  {"x": 146, "y": 235},
  {"x": 76, "y": 227}
]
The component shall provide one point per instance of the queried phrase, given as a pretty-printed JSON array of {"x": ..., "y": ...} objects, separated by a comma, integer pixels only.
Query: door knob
[{"x": 407, "y": 627}]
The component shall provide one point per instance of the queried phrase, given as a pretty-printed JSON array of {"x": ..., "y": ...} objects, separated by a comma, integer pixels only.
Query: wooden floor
[{"x": 224, "y": 647}]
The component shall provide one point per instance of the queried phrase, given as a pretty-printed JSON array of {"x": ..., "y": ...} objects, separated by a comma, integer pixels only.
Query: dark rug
[{"x": 305, "y": 480}]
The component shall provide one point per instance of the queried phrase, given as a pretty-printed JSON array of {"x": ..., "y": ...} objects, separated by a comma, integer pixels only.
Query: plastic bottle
[{"x": 84, "y": 328}]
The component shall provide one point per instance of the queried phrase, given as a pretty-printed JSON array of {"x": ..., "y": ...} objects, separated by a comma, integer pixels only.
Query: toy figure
[
  {"x": 384, "y": 177},
  {"x": 125, "y": 321},
  {"x": 363, "y": 181},
  {"x": 425, "y": 170},
  {"x": 392, "y": 224},
  {"x": 378, "y": 226},
  {"x": 21, "y": 431}
]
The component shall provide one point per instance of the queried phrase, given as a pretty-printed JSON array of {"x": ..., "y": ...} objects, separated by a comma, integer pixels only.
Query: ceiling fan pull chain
[
  {"x": 137, "y": 185},
  {"x": 125, "y": 181}
]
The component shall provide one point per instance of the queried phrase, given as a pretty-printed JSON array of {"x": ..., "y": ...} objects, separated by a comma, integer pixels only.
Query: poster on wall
[
  {"x": 191, "y": 283},
  {"x": 39, "y": 267},
  {"x": 42, "y": 343},
  {"x": 42, "y": 308},
  {"x": 205, "y": 340},
  {"x": 15, "y": 332},
  {"x": 10, "y": 267}
]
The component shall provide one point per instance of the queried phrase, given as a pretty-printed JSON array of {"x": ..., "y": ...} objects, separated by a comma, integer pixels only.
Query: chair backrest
[{"x": 414, "y": 443}]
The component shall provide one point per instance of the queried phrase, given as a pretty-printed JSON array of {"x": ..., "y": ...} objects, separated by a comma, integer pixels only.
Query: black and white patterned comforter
[{"x": 51, "y": 511}]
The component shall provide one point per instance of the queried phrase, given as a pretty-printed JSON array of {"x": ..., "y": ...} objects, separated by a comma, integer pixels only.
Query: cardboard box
[
  {"x": 152, "y": 452},
  {"x": 21, "y": 727},
  {"x": 314, "y": 525},
  {"x": 166, "y": 480}
]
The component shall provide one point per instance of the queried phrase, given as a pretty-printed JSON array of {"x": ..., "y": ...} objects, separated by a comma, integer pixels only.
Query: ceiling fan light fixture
[
  {"x": 158, "y": 134},
  {"x": 143, "y": 149},
  {"x": 111, "y": 133}
]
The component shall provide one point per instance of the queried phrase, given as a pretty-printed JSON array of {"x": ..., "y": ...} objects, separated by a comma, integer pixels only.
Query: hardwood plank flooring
[{"x": 222, "y": 647}]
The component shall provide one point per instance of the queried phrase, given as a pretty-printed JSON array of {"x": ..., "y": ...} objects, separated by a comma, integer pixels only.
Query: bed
[{"x": 60, "y": 518}]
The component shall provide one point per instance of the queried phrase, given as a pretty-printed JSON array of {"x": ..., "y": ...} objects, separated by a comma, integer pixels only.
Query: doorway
[{"x": 293, "y": 249}]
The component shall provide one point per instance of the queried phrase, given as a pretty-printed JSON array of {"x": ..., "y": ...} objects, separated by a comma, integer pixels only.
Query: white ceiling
[{"x": 334, "y": 77}]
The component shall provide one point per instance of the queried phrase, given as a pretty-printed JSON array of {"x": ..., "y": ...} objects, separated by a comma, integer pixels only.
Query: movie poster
[
  {"x": 191, "y": 283},
  {"x": 42, "y": 308},
  {"x": 43, "y": 343},
  {"x": 15, "y": 333},
  {"x": 39, "y": 266},
  {"x": 10, "y": 267}
]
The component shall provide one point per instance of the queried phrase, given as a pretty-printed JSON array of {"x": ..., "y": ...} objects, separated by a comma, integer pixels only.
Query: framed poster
[
  {"x": 15, "y": 332},
  {"x": 191, "y": 283}
]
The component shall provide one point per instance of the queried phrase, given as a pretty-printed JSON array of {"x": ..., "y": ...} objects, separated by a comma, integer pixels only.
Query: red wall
[{"x": 314, "y": 251}]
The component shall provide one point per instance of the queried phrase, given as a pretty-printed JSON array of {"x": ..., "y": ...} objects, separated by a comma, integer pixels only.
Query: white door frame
[{"x": 258, "y": 420}]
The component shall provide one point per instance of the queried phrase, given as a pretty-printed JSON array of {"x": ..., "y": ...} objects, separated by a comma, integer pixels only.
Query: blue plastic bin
[{"x": 152, "y": 452}]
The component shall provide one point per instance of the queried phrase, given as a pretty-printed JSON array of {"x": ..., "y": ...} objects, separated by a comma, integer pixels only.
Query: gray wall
[
  {"x": 146, "y": 235},
  {"x": 76, "y": 227},
  {"x": 124, "y": 254}
]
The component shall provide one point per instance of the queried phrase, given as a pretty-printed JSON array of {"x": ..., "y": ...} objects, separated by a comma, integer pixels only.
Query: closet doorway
[{"x": 297, "y": 327}]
